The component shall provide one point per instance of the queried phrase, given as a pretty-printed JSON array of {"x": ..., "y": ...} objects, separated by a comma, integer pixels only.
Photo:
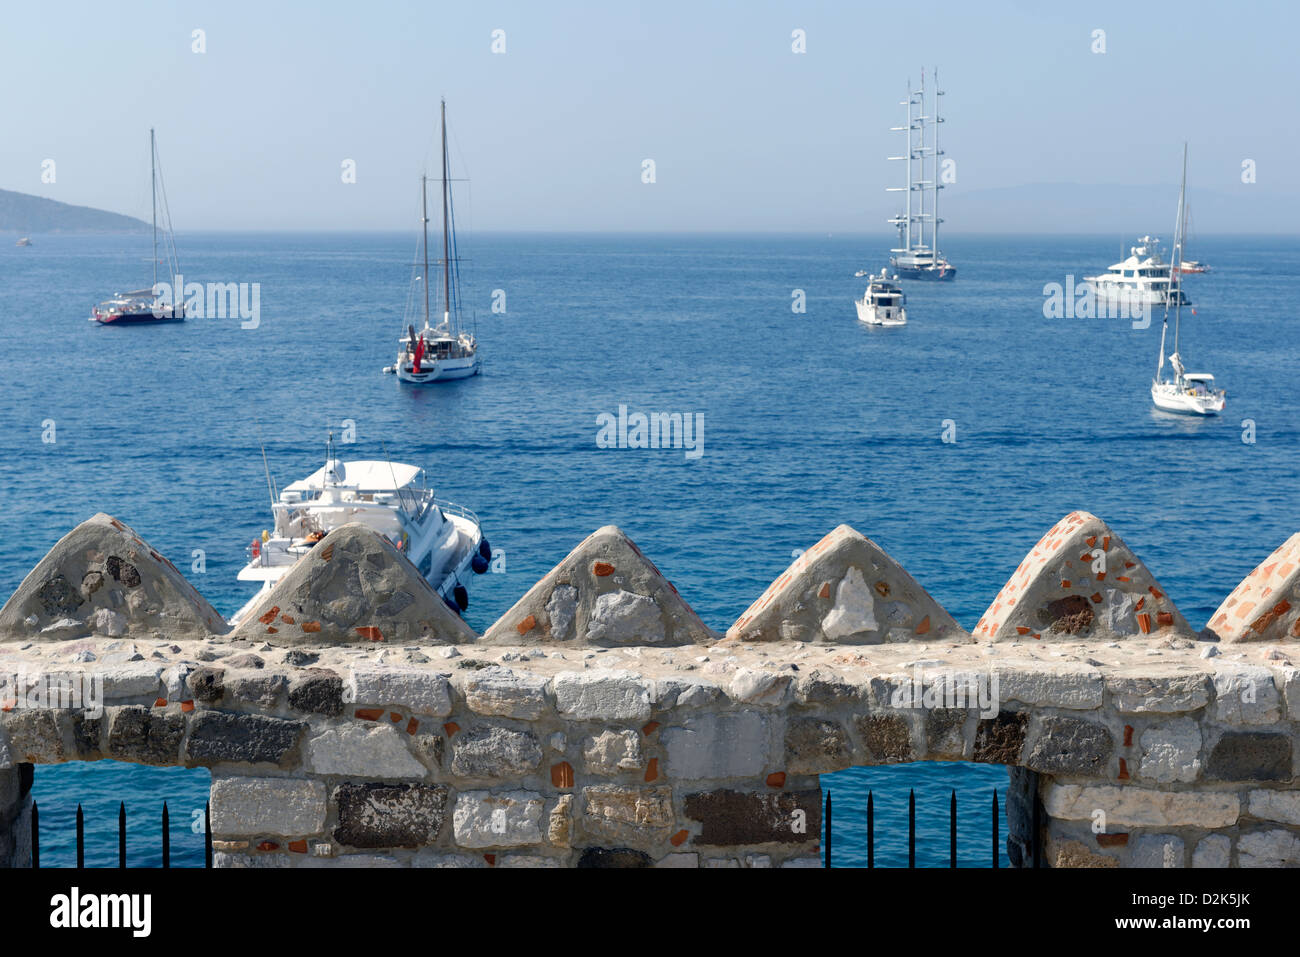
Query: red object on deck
[
  {"x": 257, "y": 547},
  {"x": 419, "y": 354}
]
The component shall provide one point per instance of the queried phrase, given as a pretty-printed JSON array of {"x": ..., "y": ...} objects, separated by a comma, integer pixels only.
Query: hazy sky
[{"x": 745, "y": 134}]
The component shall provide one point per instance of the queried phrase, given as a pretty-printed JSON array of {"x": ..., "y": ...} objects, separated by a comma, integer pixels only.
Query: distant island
[{"x": 23, "y": 213}]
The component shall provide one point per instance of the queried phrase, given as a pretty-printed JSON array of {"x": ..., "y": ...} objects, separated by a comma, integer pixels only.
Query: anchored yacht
[
  {"x": 914, "y": 258},
  {"x": 443, "y": 540},
  {"x": 1188, "y": 393},
  {"x": 143, "y": 305},
  {"x": 1143, "y": 279},
  {"x": 442, "y": 352},
  {"x": 883, "y": 304}
]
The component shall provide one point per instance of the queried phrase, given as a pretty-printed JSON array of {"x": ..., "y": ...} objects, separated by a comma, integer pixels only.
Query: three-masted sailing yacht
[
  {"x": 1188, "y": 393},
  {"x": 437, "y": 353},
  {"x": 914, "y": 258},
  {"x": 144, "y": 305}
]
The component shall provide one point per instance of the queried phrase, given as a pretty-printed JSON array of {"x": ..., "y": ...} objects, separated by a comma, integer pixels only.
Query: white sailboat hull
[
  {"x": 1171, "y": 398},
  {"x": 440, "y": 370}
]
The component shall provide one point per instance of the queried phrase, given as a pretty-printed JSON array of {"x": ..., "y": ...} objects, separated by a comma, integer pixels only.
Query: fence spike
[
  {"x": 995, "y": 829},
  {"x": 36, "y": 835},
  {"x": 207, "y": 834},
  {"x": 871, "y": 831},
  {"x": 952, "y": 830},
  {"x": 166, "y": 840},
  {"x": 121, "y": 834},
  {"x": 81, "y": 837},
  {"x": 911, "y": 827},
  {"x": 828, "y": 829}
]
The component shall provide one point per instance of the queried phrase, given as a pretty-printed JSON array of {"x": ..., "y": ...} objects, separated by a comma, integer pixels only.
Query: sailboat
[
  {"x": 1190, "y": 265},
  {"x": 1187, "y": 393},
  {"x": 914, "y": 258},
  {"x": 144, "y": 305},
  {"x": 442, "y": 352}
]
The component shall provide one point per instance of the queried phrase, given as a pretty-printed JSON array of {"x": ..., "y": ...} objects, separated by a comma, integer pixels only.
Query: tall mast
[
  {"x": 920, "y": 150},
  {"x": 446, "y": 229},
  {"x": 934, "y": 230},
  {"x": 153, "y": 197},
  {"x": 1176, "y": 266},
  {"x": 905, "y": 221},
  {"x": 424, "y": 218}
]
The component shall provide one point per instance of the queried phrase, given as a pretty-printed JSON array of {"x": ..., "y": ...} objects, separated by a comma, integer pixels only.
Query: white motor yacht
[
  {"x": 1144, "y": 278},
  {"x": 883, "y": 304},
  {"x": 442, "y": 540}
]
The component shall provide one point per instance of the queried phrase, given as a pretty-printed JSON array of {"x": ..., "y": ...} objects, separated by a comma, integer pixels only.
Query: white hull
[
  {"x": 880, "y": 317},
  {"x": 441, "y": 370},
  {"x": 1117, "y": 294},
  {"x": 1170, "y": 398}
]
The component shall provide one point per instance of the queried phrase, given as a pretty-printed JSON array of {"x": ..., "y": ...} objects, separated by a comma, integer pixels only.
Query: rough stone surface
[
  {"x": 1171, "y": 752},
  {"x": 1157, "y": 850},
  {"x": 888, "y": 737},
  {"x": 1246, "y": 696},
  {"x": 816, "y": 746},
  {"x": 1142, "y": 807},
  {"x": 734, "y": 744},
  {"x": 620, "y": 813},
  {"x": 1282, "y": 806},
  {"x": 33, "y": 736},
  {"x": 217, "y": 736},
  {"x": 362, "y": 750},
  {"x": 614, "y": 857},
  {"x": 384, "y": 815},
  {"x": 730, "y": 817},
  {"x": 494, "y": 752},
  {"x": 318, "y": 692},
  {"x": 1000, "y": 740},
  {"x": 1073, "y": 688},
  {"x": 253, "y": 806},
  {"x": 1275, "y": 848},
  {"x": 1250, "y": 756},
  {"x": 413, "y": 691},
  {"x": 499, "y": 691},
  {"x": 1165, "y": 695},
  {"x": 1070, "y": 746},
  {"x": 1213, "y": 851},
  {"x": 506, "y": 819},
  {"x": 624, "y": 618},
  {"x": 613, "y": 752},
  {"x": 146, "y": 737},
  {"x": 603, "y": 695}
]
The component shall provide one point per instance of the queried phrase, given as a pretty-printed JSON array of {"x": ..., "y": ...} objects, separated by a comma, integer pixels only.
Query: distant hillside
[{"x": 21, "y": 213}]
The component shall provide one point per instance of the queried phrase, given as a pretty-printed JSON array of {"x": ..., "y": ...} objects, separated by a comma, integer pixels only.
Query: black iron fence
[
  {"x": 121, "y": 836},
  {"x": 828, "y": 836}
]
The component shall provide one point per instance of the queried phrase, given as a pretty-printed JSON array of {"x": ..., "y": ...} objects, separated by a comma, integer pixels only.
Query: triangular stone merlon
[
  {"x": 1080, "y": 581},
  {"x": 847, "y": 590},
  {"x": 1265, "y": 606},
  {"x": 605, "y": 592}
]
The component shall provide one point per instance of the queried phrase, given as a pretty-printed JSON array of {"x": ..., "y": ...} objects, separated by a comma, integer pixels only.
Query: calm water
[{"x": 810, "y": 420}]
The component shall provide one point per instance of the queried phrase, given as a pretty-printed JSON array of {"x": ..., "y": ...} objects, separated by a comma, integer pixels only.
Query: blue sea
[{"x": 811, "y": 419}]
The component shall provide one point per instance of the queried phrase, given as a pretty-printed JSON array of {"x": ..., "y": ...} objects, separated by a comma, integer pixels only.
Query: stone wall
[{"x": 352, "y": 721}]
